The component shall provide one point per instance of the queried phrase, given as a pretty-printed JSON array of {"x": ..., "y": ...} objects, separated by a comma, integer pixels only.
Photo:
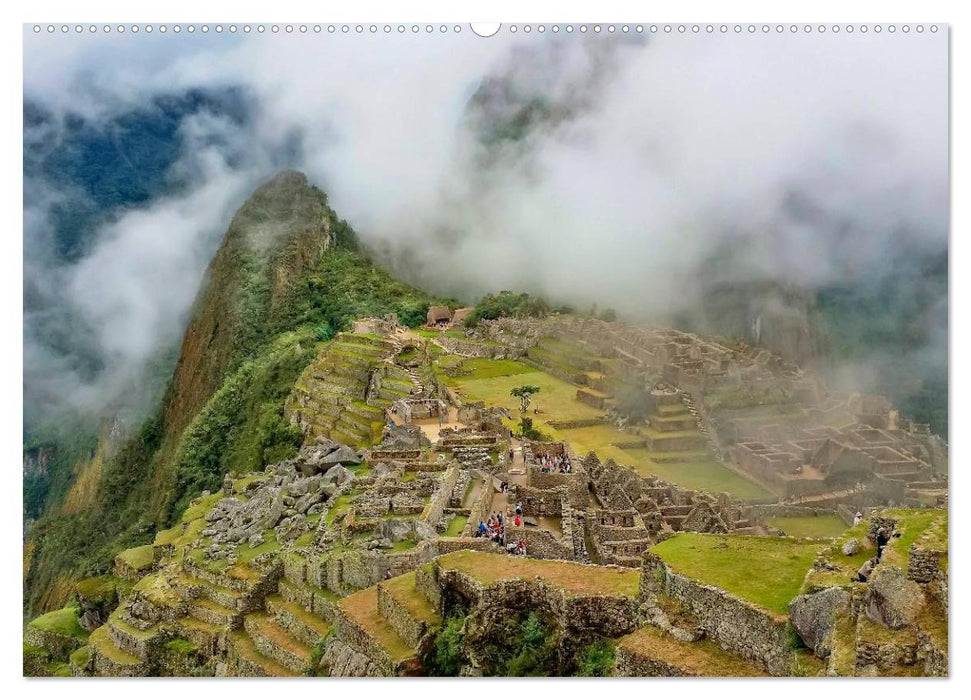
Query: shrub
[
  {"x": 597, "y": 659},
  {"x": 448, "y": 655},
  {"x": 506, "y": 303},
  {"x": 530, "y": 652}
]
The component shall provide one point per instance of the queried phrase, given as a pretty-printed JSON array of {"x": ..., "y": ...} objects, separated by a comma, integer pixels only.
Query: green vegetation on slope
[
  {"x": 241, "y": 428},
  {"x": 265, "y": 316},
  {"x": 507, "y": 303}
]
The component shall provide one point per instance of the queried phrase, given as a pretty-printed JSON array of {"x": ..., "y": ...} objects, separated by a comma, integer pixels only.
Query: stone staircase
[{"x": 702, "y": 424}]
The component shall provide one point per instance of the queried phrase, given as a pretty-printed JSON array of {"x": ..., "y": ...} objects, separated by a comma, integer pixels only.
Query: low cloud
[{"x": 623, "y": 171}]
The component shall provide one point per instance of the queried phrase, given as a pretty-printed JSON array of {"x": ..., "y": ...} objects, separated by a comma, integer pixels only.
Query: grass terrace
[
  {"x": 766, "y": 571},
  {"x": 138, "y": 558},
  {"x": 556, "y": 399},
  {"x": 402, "y": 588},
  {"x": 702, "y": 658},
  {"x": 362, "y": 608},
  {"x": 828, "y": 526},
  {"x": 63, "y": 622},
  {"x": 577, "y": 579},
  {"x": 492, "y": 380},
  {"x": 705, "y": 475},
  {"x": 456, "y": 525}
]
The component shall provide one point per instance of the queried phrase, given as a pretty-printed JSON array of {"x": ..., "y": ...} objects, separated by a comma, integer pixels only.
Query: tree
[{"x": 525, "y": 394}]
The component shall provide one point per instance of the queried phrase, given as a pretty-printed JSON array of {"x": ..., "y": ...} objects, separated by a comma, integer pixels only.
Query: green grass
[
  {"x": 829, "y": 525},
  {"x": 200, "y": 507},
  {"x": 911, "y": 524},
  {"x": 138, "y": 558},
  {"x": 79, "y": 657},
  {"x": 556, "y": 399},
  {"x": 456, "y": 525},
  {"x": 246, "y": 554},
  {"x": 101, "y": 588},
  {"x": 340, "y": 505},
  {"x": 484, "y": 368},
  {"x": 579, "y": 579},
  {"x": 63, "y": 622},
  {"x": 402, "y": 546},
  {"x": 702, "y": 476},
  {"x": 766, "y": 571},
  {"x": 180, "y": 646}
]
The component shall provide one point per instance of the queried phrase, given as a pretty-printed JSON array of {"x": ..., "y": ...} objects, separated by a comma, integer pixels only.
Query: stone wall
[
  {"x": 426, "y": 584},
  {"x": 439, "y": 501},
  {"x": 602, "y": 615},
  {"x": 541, "y": 544},
  {"x": 540, "y": 501},
  {"x": 480, "y": 508},
  {"x": 737, "y": 626}
]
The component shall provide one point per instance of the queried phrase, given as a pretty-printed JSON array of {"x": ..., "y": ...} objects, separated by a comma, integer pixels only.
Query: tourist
[
  {"x": 522, "y": 547},
  {"x": 858, "y": 518},
  {"x": 882, "y": 538},
  {"x": 482, "y": 528},
  {"x": 864, "y": 573},
  {"x": 519, "y": 508},
  {"x": 519, "y": 521}
]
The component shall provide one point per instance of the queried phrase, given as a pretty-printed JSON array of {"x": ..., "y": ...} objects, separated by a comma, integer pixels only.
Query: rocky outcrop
[
  {"x": 893, "y": 600},
  {"x": 814, "y": 617}
]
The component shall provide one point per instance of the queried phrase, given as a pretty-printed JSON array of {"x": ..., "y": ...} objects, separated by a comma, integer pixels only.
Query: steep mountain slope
[{"x": 289, "y": 274}]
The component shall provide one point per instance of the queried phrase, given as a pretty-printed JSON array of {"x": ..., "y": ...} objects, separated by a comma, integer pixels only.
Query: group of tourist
[
  {"x": 865, "y": 571},
  {"x": 495, "y": 529},
  {"x": 554, "y": 463}
]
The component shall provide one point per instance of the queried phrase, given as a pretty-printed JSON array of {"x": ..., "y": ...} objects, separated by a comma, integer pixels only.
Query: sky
[{"x": 807, "y": 156}]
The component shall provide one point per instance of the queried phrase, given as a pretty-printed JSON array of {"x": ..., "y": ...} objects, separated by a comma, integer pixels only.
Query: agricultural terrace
[
  {"x": 579, "y": 579},
  {"x": 766, "y": 571}
]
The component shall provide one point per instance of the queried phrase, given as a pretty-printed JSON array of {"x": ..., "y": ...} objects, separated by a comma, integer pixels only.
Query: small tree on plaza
[{"x": 525, "y": 394}]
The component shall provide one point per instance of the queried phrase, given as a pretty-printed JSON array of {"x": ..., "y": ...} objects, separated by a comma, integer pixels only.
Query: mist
[{"x": 623, "y": 170}]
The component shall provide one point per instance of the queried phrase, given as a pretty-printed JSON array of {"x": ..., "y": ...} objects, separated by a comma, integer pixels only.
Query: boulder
[
  {"x": 424, "y": 530},
  {"x": 893, "y": 600},
  {"x": 394, "y": 530},
  {"x": 814, "y": 617},
  {"x": 338, "y": 475},
  {"x": 304, "y": 502},
  {"x": 292, "y": 528},
  {"x": 851, "y": 546},
  {"x": 342, "y": 455}
]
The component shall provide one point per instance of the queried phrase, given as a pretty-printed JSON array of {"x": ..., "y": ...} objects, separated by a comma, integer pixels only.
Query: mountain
[{"x": 288, "y": 275}]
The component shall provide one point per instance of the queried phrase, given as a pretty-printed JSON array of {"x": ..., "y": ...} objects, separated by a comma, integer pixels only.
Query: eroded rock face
[
  {"x": 892, "y": 600},
  {"x": 814, "y": 617}
]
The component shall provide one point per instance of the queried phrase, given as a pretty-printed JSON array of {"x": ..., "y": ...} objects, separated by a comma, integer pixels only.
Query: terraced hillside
[{"x": 344, "y": 393}]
